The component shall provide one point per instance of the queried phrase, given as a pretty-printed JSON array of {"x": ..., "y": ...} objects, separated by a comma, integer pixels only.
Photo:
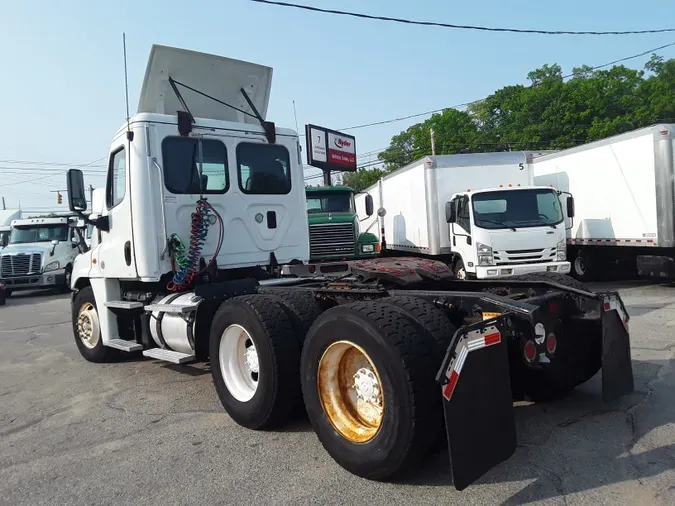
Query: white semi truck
[
  {"x": 40, "y": 254},
  {"x": 625, "y": 202},
  {"x": 205, "y": 213},
  {"x": 480, "y": 213}
]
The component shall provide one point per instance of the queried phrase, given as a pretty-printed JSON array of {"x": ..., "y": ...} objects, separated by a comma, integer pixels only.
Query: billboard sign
[{"x": 330, "y": 150}]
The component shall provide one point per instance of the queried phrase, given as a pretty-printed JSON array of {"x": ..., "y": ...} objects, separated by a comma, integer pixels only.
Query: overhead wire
[
  {"x": 465, "y": 104},
  {"x": 460, "y": 27}
]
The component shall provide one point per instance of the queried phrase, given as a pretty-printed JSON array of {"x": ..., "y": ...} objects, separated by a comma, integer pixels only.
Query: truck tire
[
  {"x": 459, "y": 269},
  {"x": 300, "y": 306},
  {"x": 553, "y": 277},
  {"x": 583, "y": 266},
  {"x": 65, "y": 287},
  {"x": 87, "y": 329},
  {"x": 373, "y": 351},
  {"x": 432, "y": 319},
  {"x": 3, "y": 300},
  {"x": 255, "y": 361}
]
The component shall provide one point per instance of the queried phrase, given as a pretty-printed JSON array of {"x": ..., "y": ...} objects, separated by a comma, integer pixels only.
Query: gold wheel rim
[
  {"x": 88, "y": 328},
  {"x": 350, "y": 391}
]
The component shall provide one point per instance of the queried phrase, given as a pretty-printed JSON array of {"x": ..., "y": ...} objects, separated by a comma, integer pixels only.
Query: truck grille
[
  {"x": 331, "y": 239},
  {"x": 524, "y": 256},
  {"x": 20, "y": 264}
]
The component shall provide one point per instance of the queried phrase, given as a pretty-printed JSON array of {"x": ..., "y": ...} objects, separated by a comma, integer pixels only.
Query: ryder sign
[{"x": 330, "y": 150}]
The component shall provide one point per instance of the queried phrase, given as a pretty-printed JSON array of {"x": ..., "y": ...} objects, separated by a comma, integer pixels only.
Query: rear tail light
[{"x": 530, "y": 351}]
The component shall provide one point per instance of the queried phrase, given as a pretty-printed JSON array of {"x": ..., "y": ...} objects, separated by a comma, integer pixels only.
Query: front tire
[
  {"x": 369, "y": 388},
  {"x": 255, "y": 361},
  {"x": 65, "y": 288},
  {"x": 87, "y": 328}
]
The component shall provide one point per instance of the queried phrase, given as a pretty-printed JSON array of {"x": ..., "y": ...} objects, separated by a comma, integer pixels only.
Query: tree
[
  {"x": 363, "y": 178},
  {"x": 553, "y": 112}
]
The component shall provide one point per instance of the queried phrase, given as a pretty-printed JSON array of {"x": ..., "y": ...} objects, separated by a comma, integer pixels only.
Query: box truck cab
[
  {"x": 507, "y": 231},
  {"x": 40, "y": 254}
]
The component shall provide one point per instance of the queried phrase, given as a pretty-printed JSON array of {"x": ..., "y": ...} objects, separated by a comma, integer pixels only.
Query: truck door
[
  {"x": 460, "y": 232},
  {"x": 115, "y": 254}
]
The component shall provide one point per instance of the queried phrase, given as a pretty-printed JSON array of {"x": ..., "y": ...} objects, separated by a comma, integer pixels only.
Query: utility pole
[
  {"x": 3, "y": 203},
  {"x": 433, "y": 141}
]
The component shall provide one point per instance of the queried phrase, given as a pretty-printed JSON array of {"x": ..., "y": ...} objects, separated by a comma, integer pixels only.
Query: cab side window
[
  {"x": 116, "y": 185},
  {"x": 463, "y": 217}
]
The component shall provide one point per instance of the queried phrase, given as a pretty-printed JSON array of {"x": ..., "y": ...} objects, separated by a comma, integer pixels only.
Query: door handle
[
  {"x": 127, "y": 252},
  {"x": 271, "y": 219}
]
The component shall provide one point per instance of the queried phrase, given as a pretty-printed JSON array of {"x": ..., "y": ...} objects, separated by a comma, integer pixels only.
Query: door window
[
  {"x": 117, "y": 178},
  {"x": 463, "y": 216}
]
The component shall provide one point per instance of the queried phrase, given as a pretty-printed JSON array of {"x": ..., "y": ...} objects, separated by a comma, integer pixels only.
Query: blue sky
[{"x": 62, "y": 85}]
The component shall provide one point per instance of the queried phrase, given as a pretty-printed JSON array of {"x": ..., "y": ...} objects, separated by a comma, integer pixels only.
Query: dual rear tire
[{"x": 366, "y": 374}]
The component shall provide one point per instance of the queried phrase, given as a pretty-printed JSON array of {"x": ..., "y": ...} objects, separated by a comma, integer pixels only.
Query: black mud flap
[
  {"x": 477, "y": 401},
  {"x": 617, "y": 368}
]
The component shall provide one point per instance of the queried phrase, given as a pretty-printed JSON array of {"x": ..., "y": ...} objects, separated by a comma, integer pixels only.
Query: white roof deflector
[{"x": 217, "y": 76}]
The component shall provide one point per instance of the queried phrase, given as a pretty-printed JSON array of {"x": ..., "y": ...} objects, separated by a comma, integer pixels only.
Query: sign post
[{"x": 330, "y": 150}]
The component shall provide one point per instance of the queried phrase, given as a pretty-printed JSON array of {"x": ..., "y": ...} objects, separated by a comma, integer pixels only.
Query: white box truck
[
  {"x": 625, "y": 202},
  {"x": 479, "y": 212}
]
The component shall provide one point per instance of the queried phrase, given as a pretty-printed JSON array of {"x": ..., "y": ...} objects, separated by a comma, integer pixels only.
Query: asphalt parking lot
[{"x": 143, "y": 432}]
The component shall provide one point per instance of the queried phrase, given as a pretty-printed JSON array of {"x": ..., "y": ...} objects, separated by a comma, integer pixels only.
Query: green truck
[{"x": 334, "y": 232}]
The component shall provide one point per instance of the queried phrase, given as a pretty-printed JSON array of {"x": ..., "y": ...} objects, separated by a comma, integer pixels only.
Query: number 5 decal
[{"x": 521, "y": 166}]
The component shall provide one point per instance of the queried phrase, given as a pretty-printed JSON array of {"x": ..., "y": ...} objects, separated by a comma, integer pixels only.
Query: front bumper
[
  {"x": 506, "y": 271},
  {"x": 30, "y": 281}
]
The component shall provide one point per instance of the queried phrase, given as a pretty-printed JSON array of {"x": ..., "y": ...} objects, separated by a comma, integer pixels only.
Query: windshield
[
  {"x": 44, "y": 233},
  {"x": 516, "y": 208},
  {"x": 336, "y": 202}
]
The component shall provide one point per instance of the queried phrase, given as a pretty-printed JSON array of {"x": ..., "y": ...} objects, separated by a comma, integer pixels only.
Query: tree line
[{"x": 553, "y": 112}]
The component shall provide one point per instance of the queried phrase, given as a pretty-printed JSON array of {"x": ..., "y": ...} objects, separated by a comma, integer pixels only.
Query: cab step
[
  {"x": 171, "y": 308},
  {"x": 123, "y": 304},
  {"x": 175, "y": 357},
  {"x": 124, "y": 345}
]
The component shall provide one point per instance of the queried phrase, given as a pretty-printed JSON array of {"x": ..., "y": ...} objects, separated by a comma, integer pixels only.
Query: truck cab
[
  {"x": 40, "y": 254},
  {"x": 508, "y": 231},
  {"x": 334, "y": 232}
]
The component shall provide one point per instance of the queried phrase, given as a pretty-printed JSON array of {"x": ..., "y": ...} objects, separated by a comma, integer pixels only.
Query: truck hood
[
  {"x": 523, "y": 239},
  {"x": 326, "y": 218},
  {"x": 29, "y": 248}
]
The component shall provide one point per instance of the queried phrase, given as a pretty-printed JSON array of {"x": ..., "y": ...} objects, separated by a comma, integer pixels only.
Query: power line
[
  {"x": 465, "y": 104},
  {"x": 459, "y": 27}
]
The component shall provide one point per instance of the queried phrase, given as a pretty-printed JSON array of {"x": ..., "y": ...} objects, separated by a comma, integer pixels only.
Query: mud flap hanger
[{"x": 478, "y": 410}]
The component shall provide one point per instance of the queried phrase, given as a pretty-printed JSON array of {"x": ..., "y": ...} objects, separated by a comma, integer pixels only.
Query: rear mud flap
[
  {"x": 617, "y": 369},
  {"x": 477, "y": 401}
]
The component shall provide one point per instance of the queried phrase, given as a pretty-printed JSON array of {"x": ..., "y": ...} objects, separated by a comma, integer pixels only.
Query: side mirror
[
  {"x": 570, "y": 207},
  {"x": 369, "y": 205},
  {"x": 450, "y": 216},
  {"x": 77, "y": 200},
  {"x": 55, "y": 242}
]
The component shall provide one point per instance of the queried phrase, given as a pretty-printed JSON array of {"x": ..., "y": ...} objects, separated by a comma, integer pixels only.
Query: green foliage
[{"x": 553, "y": 112}]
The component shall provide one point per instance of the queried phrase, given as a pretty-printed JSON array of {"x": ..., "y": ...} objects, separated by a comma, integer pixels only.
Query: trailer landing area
[{"x": 138, "y": 433}]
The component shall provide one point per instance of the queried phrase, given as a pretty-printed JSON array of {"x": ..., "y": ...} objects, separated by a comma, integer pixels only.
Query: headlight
[
  {"x": 52, "y": 266},
  {"x": 562, "y": 250},
  {"x": 368, "y": 248},
  {"x": 485, "y": 256}
]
